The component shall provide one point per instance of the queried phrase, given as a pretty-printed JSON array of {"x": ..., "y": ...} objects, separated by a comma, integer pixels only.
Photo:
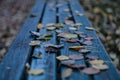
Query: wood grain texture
[
  {"x": 76, "y": 74},
  {"x": 111, "y": 73},
  {"x": 13, "y": 64},
  {"x": 48, "y": 60}
]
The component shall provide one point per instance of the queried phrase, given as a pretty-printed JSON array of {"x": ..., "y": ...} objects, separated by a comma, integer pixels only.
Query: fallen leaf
[
  {"x": 76, "y": 57},
  {"x": 36, "y": 56},
  {"x": 92, "y": 57},
  {"x": 72, "y": 28},
  {"x": 69, "y": 22},
  {"x": 96, "y": 62},
  {"x": 85, "y": 51},
  {"x": 100, "y": 67},
  {"x": 34, "y": 43},
  {"x": 89, "y": 38},
  {"x": 67, "y": 62},
  {"x": 80, "y": 14},
  {"x": 36, "y": 72},
  {"x": 62, "y": 57},
  {"x": 67, "y": 35},
  {"x": 77, "y": 66},
  {"x": 88, "y": 43},
  {"x": 43, "y": 39},
  {"x": 66, "y": 73},
  {"x": 40, "y": 26},
  {"x": 35, "y": 34},
  {"x": 48, "y": 35},
  {"x": 76, "y": 48},
  {"x": 51, "y": 28},
  {"x": 50, "y": 24},
  {"x": 72, "y": 41},
  {"x": 89, "y": 28},
  {"x": 90, "y": 71},
  {"x": 66, "y": 10},
  {"x": 59, "y": 25},
  {"x": 54, "y": 46}
]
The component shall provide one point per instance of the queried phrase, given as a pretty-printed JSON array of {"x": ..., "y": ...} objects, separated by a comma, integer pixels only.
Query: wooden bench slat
[
  {"x": 76, "y": 74},
  {"x": 111, "y": 73},
  {"x": 48, "y": 60},
  {"x": 13, "y": 64}
]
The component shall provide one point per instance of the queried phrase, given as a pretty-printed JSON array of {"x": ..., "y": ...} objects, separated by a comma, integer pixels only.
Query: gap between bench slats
[
  {"x": 76, "y": 74},
  {"x": 48, "y": 60}
]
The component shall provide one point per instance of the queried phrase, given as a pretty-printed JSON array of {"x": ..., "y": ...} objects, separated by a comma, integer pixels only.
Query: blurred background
[{"x": 104, "y": 15}]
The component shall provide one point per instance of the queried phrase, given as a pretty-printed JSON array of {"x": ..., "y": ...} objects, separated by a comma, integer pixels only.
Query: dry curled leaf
[
  {"x": 76, "y": 57},
  {"x": 76, "y": 48},
  {"x": 100, "y": 67},
  {"x": 40, "y": 26},
  {"x": 62, "y": 57},
  {"x": 66, "y": 73},
  {"x": 90, "y": 71},
  {"x": 36, "y": 72},
  {"x": 34, "y": 43}
]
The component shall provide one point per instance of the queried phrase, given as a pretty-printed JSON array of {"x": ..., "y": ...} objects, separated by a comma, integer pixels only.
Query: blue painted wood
[
  {"x": 48, "y": 61},
  {"x": 13, "y": 65},
  {"x": 76, "y": 74},
  {"x": 111, "y": 73}
]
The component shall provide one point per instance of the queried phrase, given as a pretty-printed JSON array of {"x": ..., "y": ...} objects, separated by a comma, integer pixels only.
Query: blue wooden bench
[{"x": 13, "y": 66}]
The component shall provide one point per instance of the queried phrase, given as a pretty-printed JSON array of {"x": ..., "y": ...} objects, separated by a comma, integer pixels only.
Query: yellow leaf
[
  {"x": 62, "y": 57},
  {"x": 36, "y": 72},
  {"x": 76, "y": 48},
  {"x": 66, "y": 73}
]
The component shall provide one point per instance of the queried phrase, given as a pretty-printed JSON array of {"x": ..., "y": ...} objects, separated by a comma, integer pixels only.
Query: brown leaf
[
  {"x": 76, "y": 57},
  {"x": 90, "y": 71},
  {"x": 76, "y": 66},
  {"x": 72, "y": 41}
]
